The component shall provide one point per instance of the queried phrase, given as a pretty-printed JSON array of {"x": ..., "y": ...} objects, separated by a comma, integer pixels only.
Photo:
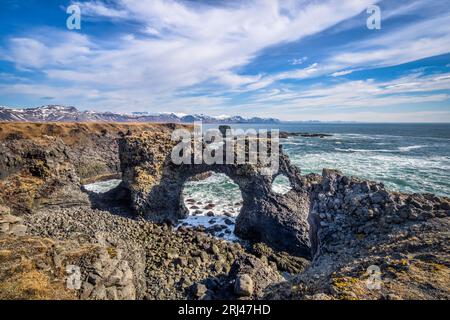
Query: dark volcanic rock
[
  {"x": 253, "y": 276},
  {"x": 358, "y": 226},
  {"x": 164, "y": 262},
  {"x": 156, "y": 187},
  {"x": 244, "y": 285},
  {"x": 35, "y": 174},
  {"x": 201, "y": 176},
  {"x": 284, "y": 135}
]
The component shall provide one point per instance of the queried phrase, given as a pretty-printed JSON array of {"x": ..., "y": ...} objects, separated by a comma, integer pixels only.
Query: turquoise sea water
[{"x": 405, "y": 157}]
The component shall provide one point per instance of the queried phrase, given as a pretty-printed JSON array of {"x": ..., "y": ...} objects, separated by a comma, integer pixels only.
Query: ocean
[{"x": 405, "y": 157}]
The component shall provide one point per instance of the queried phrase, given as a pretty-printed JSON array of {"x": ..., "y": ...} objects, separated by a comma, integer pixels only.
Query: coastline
[{"x": 201, "y": 266}]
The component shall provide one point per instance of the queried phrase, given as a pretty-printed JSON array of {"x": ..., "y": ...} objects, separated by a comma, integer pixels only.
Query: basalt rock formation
[
  {"x": 369, "y": 243},
  {"x": 45, "y": 164},
  {"x": 166, "y": 263},
  {"x": 345, "y": 210},
  {"x": 36, "y": 174},
  {"x": 319, "y": 214},
  {"x": 156, "y": 185}
]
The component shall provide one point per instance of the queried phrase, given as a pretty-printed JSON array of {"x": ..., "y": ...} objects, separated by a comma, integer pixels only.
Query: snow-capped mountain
[{"x": 57, "y": 113}]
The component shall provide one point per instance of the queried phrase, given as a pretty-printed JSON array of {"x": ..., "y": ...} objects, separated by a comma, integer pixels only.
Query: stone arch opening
[
  {"x": 213, "y": 200},
  {"x": 156, "y": 186}
]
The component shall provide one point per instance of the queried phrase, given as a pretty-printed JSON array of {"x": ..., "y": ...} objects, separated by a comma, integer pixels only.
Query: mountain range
[{"x": 59, "y": 113}]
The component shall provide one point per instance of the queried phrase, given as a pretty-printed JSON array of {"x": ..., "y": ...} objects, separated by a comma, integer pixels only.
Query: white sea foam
[
  {"x": 281, "y": 185},
  {"x": 226, "y": 234},
  {"x": 103, "y": 186},
  {"x": 406, "y": 149},
  {"x": 217, "y": 194},
  {"x": 398, "y": 171}
]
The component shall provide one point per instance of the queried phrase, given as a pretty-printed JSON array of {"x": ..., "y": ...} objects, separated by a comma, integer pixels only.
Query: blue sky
[{"x": 291, "y": 59}]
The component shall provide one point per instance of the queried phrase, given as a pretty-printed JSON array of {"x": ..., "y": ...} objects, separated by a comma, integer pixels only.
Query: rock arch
[{"x": 156, "y": 185}]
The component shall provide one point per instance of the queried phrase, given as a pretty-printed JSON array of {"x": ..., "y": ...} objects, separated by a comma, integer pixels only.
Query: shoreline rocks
[
  {"x": 62, "y": 270},
  {"x": 358, "y": 226},
  {"x": 243, "y": 286},
  {"x": 285, "y": 135}
]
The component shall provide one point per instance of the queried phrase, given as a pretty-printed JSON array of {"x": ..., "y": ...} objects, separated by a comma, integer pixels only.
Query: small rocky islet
[
  {"x": 128, "y": 247},
  {"x": 285, "y": 135}
]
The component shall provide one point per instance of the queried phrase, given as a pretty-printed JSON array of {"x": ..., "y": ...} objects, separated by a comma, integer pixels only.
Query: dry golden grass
[
  {"x": 33, "y": 285},
  {"x": 73, "y": 133},
  {"x": 20, "y": 276}
]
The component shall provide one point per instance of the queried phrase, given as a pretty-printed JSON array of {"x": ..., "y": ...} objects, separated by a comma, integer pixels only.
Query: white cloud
[
  {"x": 297, "y": 74},
  {"x": 194, "y": 43},
  {"x": 181, "y": 47},
  {"x": 360, "y": 94},
  {"x": 342, "y": 73},
  {"x": 410, "y": 43},
  {"x": 62, "y": 50},
  {"x": 97, "y": 8},
  {"x": 298, "y": 61}
]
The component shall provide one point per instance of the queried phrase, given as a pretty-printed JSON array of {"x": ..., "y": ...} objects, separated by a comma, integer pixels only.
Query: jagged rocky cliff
[
  {"x": 357, "y": 228},
  {"x": 45, "y": 164}
]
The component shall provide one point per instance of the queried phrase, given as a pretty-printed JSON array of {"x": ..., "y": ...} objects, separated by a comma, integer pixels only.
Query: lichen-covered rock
[
  {"x": 345, "y": 211},
  {"x": 9, "y": 224},
  {"x": 37, "y": 174},
  {"x": 44, "y": 164},
  {"x": 243, "y": 286},
  {"x": 281, "y": 260},
  {"x": 165, "y": 262},
  {"x": 253, "y": 276}
]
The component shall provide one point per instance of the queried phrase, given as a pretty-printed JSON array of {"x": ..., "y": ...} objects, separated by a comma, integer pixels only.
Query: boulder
[
  {"x": 199, "y": 290},
  {"x": 252, "y": 276},
  {"x": 244, "y": 286}
]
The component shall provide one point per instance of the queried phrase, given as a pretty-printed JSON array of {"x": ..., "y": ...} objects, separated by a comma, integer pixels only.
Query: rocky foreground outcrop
[
  {"x": 44, "y": 268},
  {"x": 364, "y": 242},
  {"x": 123, "y": 258}
]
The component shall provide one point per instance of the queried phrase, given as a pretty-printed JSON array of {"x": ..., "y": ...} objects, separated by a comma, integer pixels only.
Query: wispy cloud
[
  {"x": 359, "y": 94},
  {"x": 410, "y": 43},
  {"x": 298, "y": 61},
  {"x": 342, "y": 73}
]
